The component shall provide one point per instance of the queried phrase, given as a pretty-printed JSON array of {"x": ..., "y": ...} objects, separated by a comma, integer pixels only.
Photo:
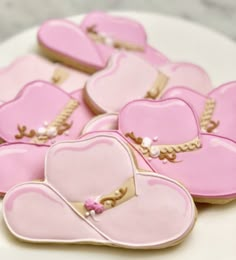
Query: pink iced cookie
[
  {"x": 43, "y": 113},
  {"x": 139, "y": 160},
  {"x": 86, "y": 49},
  {"x": 100, "y": 203},
  {"x": 32, "y": 67},
  {"x": 107, "y": 31},
  {"x": 216, "y": 111},
  {"x": 108, "y": 121},
  {"x": 127, "y": 77},
  {"x": 20, "y": 162},
  {"x": 167, "y": 134}
]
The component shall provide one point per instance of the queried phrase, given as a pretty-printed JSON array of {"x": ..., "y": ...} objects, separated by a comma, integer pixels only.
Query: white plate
[{"x": 214, "y": 234}]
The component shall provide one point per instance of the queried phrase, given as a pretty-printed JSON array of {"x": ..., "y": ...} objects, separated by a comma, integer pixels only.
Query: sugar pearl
[
  {"x": 87, "y": 214},
  {"x": 41, "y": 131},
  {"x": 164, "y": 161},
  {"x": 154, "y": 151},
  {"x": 155, "y": 138},
  {"x": 109, "y": 41},
  {"x": 51, "y": 131},
  {"x": 146, "y": 143},
  {"x": 92, "y": 212}
]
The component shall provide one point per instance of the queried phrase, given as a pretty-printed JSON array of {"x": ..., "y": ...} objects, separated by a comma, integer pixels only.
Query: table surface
[{"x": 16, "y": 16}]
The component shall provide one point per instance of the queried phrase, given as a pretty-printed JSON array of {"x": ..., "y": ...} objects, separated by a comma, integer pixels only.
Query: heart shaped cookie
[
  {"x": 43, "y": 113},
  {"x": 167, "y": 134},
  {"x": 127, "y": 77},
  {"x": 32, "y": 67},
  {"x": 109, "y": 32},
  {"x": 215, "y": 110},
  {"x": 100, "y": 203}
]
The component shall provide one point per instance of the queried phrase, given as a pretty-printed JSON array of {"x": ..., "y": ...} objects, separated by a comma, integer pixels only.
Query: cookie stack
[{"x": 107, "y": 141}]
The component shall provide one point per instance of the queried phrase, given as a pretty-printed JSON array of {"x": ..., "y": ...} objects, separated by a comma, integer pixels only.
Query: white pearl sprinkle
[
  {"x": 117, "y": 192},
  {"x": 149, "y": 159},
  {"x": 146, "y": 143},
  {"x": 154, "y": 151},
  {"x": 164, "y": 161},
  {"x": 66, "y": 132},
  {"x": 87, "y": 214},
  {"x": 155, "y": 138},
  {"x": 108, "y": 203},
  {"x": 45, "y": 123},
  {"x": 51, "y": 131},
  {"x": 92, "y": 212},
  {"x": 41, "y": 131},
  {"x": 109, "y": 41},
  {"x": 103, "y": 34}
]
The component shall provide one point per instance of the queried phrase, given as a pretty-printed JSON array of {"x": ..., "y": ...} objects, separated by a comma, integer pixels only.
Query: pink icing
[
  {"x": 10, "y": 203},
  {"x": 141, "y": 164},
  {"x": 187, "y": 74},
  {"x": 122, "y": 29},
  {"x": 207, "y": 172},
  {"x": 108, "y": 121},
  {"x": 110, "y": 89},
  {"x": 46, "y": 101},
  {"x": 32, "y": 67},
  {"x": 89, "y": 149},
  {"x": 121, "y": 74},
  {"x": 174, "y": 205},
  {"x": 147, "y": 118},
  {"x": 27, "y": 219},
  {"x": 119, "y": 28},
  {"x": 20, "y": 163},
  {"x": 224, "y": 97},
  {"x": 66, "y": 38}
]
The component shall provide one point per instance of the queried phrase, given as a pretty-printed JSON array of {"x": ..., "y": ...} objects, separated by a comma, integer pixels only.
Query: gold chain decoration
[
  {"x": 95, "y": 36},
  {"x": 59, "y": 76},
  {"x": 206, "y": 121},
  {"x": 57, "y": 127},
  {"x": 163, "y": 152},
  {"x": 158, "y": 86}
]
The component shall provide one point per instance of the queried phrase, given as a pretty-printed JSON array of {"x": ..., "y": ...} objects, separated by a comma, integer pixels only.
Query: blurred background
[{"x": 17, "y": 15}]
